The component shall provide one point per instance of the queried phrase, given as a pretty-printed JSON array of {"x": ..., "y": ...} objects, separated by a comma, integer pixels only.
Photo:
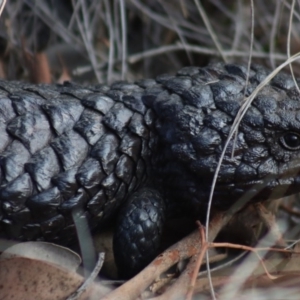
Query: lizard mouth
[{"x": 260, "y": 189}]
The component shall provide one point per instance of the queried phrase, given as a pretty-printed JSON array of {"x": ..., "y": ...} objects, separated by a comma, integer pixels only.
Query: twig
[
  {"x": 290, "y": 210},
  {"x": 202, "y": 50},
  {"x": 124, "y": 38},
  {"x": 210, "y": 29},
  {"x": 2, "y": 5},
  {"x": 86, "y": 36},
  {"x": 89, "y": 280},
  {"x": 273, "y": 33},
  {"x": 198, "y": 262},
  {"x": 187, "y": 247},
  {"x": 111, "y": 41}
]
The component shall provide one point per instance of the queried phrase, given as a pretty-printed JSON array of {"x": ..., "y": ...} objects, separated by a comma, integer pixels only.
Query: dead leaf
[
  {"x": 26, "y": 279},
  {"x": 47, "y": 252}
]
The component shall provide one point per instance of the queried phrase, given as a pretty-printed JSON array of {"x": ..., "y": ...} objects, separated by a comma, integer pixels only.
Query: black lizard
[{"x": 149, "y": 145}]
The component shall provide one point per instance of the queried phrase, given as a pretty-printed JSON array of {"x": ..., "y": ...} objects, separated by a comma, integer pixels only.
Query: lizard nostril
[{"x": 291, "y": 141}]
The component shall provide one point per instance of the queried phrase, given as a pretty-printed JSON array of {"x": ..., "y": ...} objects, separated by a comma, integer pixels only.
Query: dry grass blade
[
  {"x": 239, "y": 117},
  {"x": 124, "y": 38},
  {"x": 273, "y": 33},
  {"x": 289, "y": 42},
  {"x": 209, "y": 28},
  {"x": 86, "y": 34},
  {"x": 190, "y": 246},
  {"x": 41, "y": 9},
  {"x": 134, "y": 58},
  {"x": 200, "y": 258},
  {"x": 233, "y": 131},
  {"x": 90, "y": 279},
  {"x": 2, "y": 5},
  {"x": 103, "y": 41},
  {"x": 111, "y": 40},
  {"x": 178, "y": 31}
]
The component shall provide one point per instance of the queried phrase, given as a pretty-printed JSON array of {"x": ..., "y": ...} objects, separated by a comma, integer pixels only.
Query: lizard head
[{"x": 195, "y": 116}]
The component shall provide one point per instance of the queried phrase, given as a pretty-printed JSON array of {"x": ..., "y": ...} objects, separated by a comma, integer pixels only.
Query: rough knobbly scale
[{"x": 137, "y": 150}]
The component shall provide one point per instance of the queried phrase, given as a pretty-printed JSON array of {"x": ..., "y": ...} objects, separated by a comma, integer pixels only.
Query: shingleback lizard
[{"x": 145, "y": 147}]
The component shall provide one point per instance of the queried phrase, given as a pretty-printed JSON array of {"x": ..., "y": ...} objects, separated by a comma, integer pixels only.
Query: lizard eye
[{"x": 291, "y": 141}]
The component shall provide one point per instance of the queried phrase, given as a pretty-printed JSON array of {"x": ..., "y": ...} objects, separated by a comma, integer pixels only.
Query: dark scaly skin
[
  {"x": 194, "y": 118},
  {"x": 65, "y": 148},
  {"x": 89, "y": 149}
]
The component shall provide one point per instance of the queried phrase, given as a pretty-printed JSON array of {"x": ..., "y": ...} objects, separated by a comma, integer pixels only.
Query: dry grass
[
  {"x": 108, "y": 40},
  {"x": 103, "y": 41}
]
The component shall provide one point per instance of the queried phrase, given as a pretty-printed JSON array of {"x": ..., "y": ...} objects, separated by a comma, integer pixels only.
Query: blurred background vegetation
[{"x": 106, "y": 40}]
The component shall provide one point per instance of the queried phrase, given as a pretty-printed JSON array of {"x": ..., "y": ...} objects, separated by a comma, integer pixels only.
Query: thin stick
[
  {"x": 199, "y": 261},
  {"x": 273, "y": 32},
  {"x": 124, "y": 38},
  {"x": 289, "y": 42},
  {"x": 89, "y": 280},
  {"x": 111, "y": 41},
  {"x": 242, "y": 111},
  {"x": 209, "y": 28},
  {"x": 186, "y": 248},
  {"x": 201, "y": 50},
  {"x": 2, "y": 5}
]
